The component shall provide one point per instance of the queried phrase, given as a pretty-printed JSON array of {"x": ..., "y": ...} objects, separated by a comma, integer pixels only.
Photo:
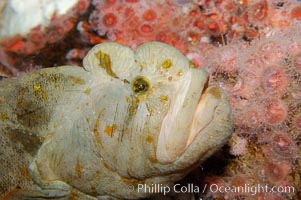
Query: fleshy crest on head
[{"x": 110, "y": 59}]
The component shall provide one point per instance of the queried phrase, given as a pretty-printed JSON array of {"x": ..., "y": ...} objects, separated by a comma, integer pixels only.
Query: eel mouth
[
  {"x": 193, "y": 132},
  {"x": 204, "y": 89},
  {"x": 205, "y": 111},
  {"x": 181, "y": 124}
]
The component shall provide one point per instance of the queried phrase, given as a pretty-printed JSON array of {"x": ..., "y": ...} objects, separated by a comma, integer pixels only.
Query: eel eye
[{"x": 140, "y": 85}]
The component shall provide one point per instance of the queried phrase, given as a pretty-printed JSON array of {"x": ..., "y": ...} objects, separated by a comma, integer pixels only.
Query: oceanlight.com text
[{"x": 212, "y": 188}]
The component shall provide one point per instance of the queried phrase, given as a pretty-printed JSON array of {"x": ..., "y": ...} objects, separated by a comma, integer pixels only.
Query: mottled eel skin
[{"x": 127, "y": 119}]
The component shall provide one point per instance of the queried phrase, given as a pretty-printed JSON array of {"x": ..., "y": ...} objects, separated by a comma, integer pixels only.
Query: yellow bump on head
[
  {"x": 104, "y": 59},
  {"x": 128, "y": 99},
  {"x": 167, "y": 64},
  {"x": 4, "y": 117},
  {"x": 180, "y": 73},
  {"x": 191, "y": 64},
  {"x": 87, "y": 91},
  {"x": 150, "y": 139},
  {"x": 37, "y": 87},
  {"x": 106, "y": 63},
  {"x": 163, "y": 98},
  {"x": 110, "y": 129},
  {"x": 141, "y": 98},
  {"x": 44, "y": 96},
  {"x": 153, "y": 160}
]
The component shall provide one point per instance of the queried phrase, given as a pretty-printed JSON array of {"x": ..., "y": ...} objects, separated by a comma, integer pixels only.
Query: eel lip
[
  {"x": 199, "y": 105},
  {"x": 204, "y": 113},
  {"x": 204, "y": 89},
  {"x": 176, "y": 126}
]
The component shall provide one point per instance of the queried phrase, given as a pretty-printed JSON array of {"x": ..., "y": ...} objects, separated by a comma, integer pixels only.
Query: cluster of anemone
[
  {"x": 262, "y": 80},
  {"x": 188, "y": 25}
]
